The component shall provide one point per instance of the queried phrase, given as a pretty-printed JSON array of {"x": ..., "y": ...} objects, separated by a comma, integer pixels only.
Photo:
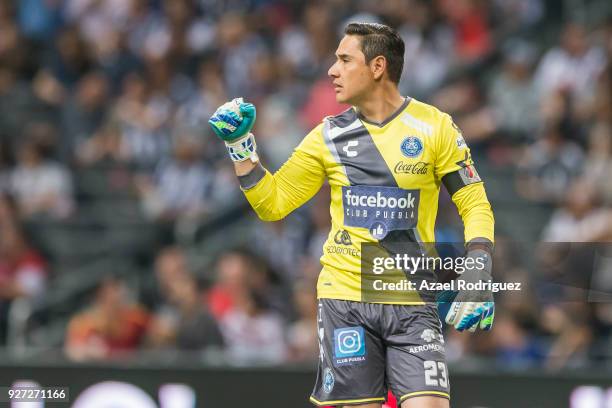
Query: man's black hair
[{"x": 380, "y": 39}]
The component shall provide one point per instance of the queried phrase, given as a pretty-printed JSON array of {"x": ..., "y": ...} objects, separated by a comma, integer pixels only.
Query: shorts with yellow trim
[{"x": 368, "y": 348}]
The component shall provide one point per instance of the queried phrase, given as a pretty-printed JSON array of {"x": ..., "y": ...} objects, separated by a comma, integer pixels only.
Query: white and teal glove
[
  {"x": 469, "y": 309},
  {"x": 232, "y": 122}
]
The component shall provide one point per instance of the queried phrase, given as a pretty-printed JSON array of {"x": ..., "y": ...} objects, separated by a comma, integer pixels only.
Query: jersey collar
[{"x": 390, "y": 118}]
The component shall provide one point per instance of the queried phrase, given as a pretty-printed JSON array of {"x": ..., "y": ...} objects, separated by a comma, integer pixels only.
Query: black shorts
[{"x": 368, "y": 348}]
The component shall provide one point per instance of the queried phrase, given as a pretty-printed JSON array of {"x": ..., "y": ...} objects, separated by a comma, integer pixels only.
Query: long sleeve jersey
[{"x": 385, "y": 181}]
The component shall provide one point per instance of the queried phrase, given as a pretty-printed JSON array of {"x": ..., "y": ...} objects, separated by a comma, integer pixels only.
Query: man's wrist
[
  {"x": 243, "y": 148},
  {"x": 249, "y": 179},
  {"x": 482, "y": 263}
]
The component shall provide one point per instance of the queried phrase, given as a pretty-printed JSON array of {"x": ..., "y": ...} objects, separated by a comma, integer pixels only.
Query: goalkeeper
[{"x": 385, "y": 159}]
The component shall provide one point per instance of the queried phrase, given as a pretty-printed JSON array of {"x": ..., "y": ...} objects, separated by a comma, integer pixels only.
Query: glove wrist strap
[{"x": 243, "y": 148}]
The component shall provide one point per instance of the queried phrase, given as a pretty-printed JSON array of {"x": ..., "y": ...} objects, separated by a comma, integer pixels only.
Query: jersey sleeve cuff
[
  {"x": 251, "y": 179},
  {"x": 480, "y": 243}
]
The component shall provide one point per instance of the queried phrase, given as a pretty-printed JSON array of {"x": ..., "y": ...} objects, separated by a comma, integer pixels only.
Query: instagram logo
[{"x": 349, "y": 342}]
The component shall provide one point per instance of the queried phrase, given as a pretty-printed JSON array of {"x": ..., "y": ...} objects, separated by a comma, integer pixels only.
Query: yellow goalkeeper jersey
[{"x": 385, "y": 178}]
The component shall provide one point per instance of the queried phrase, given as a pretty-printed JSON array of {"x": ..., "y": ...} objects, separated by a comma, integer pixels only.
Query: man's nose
[{"x": 332, "y": 71}]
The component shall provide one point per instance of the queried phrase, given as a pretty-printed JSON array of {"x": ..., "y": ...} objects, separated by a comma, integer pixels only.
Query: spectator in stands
[
  {"x": 68, "y": 61},
  {"x": 230, "y": 283},
  {"x": 239, "y": 273},
  {"x": 573, "y": 66},
  {"x": 170, "y": 265},
  {"x": 18, "y": 104},
  {"x": 4, "y": 168},
  {"x": 569, "y": 323},
  {"x": 313, "y": 36},
  {"x": 181, "y": 319},
  {"x": 84, "y": 112},
  {"x": 142, "y": 118},
  {"x": 428, "y": 49},
  {"x": 514, "y": 346},
  {"x": 180, "y": 186},
  {"x": 280, "y": 244},
  {"x": 469, "y": 19},
  {"x": 549, "y": 166},
  {"x": 512, "y": 94},
  {"x": 240, "y": 50},
  {"x": 96, "y": 19},
  {"x": 194, "y": 112},
  {"x": 602, "y": 103},
  {"x": 278, "y": 128},
  {"x": 12, "y": 44},
  {"x": 580, "y": 219},
  {"x": 103, "y": 146},
  {"x": 8, "y": 210},
  {"x": 186, "y": 324},
  {"x": 252, "y": 333},
  {"x": 598, "y": 164},
  {"x": 39, "y": 19},
  {"x": 302, "y": 334},
  {"x": 517, "y": 16},
  {"x": 23, "y": 271},
  {"x": 41, "y": 187},
  {"x": 464, "y": 99},
  {"x": 111, "y": 328}
]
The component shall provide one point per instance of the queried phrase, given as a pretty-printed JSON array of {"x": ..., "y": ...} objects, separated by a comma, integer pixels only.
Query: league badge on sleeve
[
  {"x": 469, "y": 175},
  {"x": 468, "y": 172}
]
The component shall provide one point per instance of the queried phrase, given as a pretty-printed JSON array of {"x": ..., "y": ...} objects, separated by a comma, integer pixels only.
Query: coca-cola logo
[{"x": 411, "y": 168}]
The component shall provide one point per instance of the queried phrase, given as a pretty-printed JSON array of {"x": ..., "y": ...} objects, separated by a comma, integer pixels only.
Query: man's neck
[{"x": 379, "y": 106}]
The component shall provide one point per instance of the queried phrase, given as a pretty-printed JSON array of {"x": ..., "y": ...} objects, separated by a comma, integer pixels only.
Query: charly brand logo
[
  {"x": 347, "y": 147},
  {"x": 411, "y": 168},
  {"x": 342, "y": 237},
  {"x": 411, "y": 146}
]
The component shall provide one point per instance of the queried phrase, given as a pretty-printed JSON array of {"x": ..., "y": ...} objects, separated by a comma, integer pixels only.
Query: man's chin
[{"x": 341, "y": 99}]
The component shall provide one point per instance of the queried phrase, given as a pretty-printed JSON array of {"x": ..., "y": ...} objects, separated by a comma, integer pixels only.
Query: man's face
[{"x": 351, "y": 75}]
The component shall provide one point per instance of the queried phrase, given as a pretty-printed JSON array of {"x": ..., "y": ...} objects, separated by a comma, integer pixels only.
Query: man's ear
[{"x": 378, "y": 65}]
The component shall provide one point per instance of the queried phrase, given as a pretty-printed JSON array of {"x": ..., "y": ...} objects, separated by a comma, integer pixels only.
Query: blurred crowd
[{"x": 130, "y": 84}]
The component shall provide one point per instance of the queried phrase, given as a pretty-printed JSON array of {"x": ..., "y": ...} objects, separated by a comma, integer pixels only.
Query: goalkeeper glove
[
  {"x": 232, "y": 122},
  {"x": 468, "y": 309}
]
